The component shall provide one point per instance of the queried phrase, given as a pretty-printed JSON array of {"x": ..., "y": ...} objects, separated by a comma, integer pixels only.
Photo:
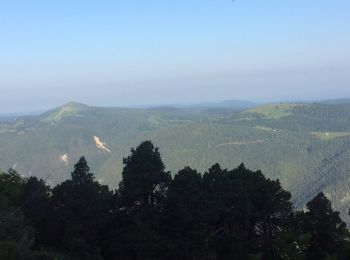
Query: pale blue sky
[{"x": 134, "y": 52}]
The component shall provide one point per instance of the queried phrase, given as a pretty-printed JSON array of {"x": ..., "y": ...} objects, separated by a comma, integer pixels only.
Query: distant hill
[
  {"x": 305, "y": 145},
  {"x": 210, "y": 108},
  {"x": 238, "y": 104},
  {"x": 234, "y": 104},
  {"x": 7, "y": 118},
  {"x": 336, "y": 101},
  {"x": 67, "y": 110}
]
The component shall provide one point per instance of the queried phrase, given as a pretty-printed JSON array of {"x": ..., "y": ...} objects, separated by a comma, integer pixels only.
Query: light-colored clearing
[
  {"x": 64, "y": 158},
  {"x": 346, "y": 198},
  {"x": 7, "y": 131},
  {"x": 265, "y": 128},
  {"x": 325, "y": 136},
  {"x": 241, "y": 143},
  {"x": 101, "y": 145}
]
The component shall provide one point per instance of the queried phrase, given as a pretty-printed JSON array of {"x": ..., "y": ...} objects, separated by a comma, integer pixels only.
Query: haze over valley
[{"x": 192, "y": 130}]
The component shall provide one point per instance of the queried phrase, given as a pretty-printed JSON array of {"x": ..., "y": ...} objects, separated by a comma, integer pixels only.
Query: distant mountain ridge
[
  {"x": 235, "y": 104},
  {"x": 239, "y": 104},
  {"x": 336, "y": 101}
]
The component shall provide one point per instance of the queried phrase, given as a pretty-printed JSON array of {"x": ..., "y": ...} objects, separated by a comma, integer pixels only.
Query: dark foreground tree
[
  {"x": 144, "y": 177},
  {"x": 246, "y": 212},
  {"x": 16, "y": 238},
  {"x": 80, "y": 209},
  {"x": 133, "y": 230},
  {"x": 328, "y": 232},
  {"x": 183, "y": 216},
  {"x": 37, "y": 209},
  {"x": 17, "y": 231},
  {"x": 222, "y": 214}
]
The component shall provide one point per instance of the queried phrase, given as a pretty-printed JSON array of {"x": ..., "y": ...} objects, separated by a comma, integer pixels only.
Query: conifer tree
[{"x": 144, "y": 177}]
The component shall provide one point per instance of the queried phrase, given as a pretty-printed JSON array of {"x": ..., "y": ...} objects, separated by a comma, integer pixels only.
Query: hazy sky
[{"x": 134, "y": 52}]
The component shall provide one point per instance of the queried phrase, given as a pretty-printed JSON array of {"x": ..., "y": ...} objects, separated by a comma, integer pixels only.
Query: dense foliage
[{"x": 221, "y": 214}]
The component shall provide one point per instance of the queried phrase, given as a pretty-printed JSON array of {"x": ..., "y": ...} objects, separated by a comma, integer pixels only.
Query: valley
[{"x": 306, "y": 146}]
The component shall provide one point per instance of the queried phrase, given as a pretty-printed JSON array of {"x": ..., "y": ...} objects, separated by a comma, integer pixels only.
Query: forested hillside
[
  {"x": 306, "y": 146},
  {"x": 217, "y": 214}
]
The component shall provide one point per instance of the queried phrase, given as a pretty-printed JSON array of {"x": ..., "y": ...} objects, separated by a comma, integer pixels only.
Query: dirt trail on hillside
[{"x": 241, "y": 143}]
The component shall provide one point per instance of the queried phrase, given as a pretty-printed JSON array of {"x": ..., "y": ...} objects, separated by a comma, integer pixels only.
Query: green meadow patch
[
  {"x": 325, "y": 136},
  {"x": 274, "y": 111}
]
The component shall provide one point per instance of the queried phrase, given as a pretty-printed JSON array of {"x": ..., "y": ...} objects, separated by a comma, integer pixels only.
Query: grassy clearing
[
  {"x": 265, "y": 128},
  {"x": 69, "y": 109},
  {"x": 274, "y": 111},
  {"x": 325, "y": 136}
]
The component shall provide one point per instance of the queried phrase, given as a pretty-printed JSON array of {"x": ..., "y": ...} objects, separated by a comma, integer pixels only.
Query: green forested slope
[{"x": 306, "y": 146}]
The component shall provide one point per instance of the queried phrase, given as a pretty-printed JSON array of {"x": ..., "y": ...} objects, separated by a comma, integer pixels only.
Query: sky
[{"x": 137, "y": 52}]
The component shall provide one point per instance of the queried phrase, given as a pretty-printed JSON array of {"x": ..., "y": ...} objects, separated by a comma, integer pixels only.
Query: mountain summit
[{"x": 69, "y": 109}]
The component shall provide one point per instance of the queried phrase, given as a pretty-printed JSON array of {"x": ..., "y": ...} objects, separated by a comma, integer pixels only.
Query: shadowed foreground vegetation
[{"x": 221, "y": 214}]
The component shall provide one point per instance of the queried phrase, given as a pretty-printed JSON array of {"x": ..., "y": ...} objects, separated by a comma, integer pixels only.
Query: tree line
[{"x": 221, "y": 214}]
